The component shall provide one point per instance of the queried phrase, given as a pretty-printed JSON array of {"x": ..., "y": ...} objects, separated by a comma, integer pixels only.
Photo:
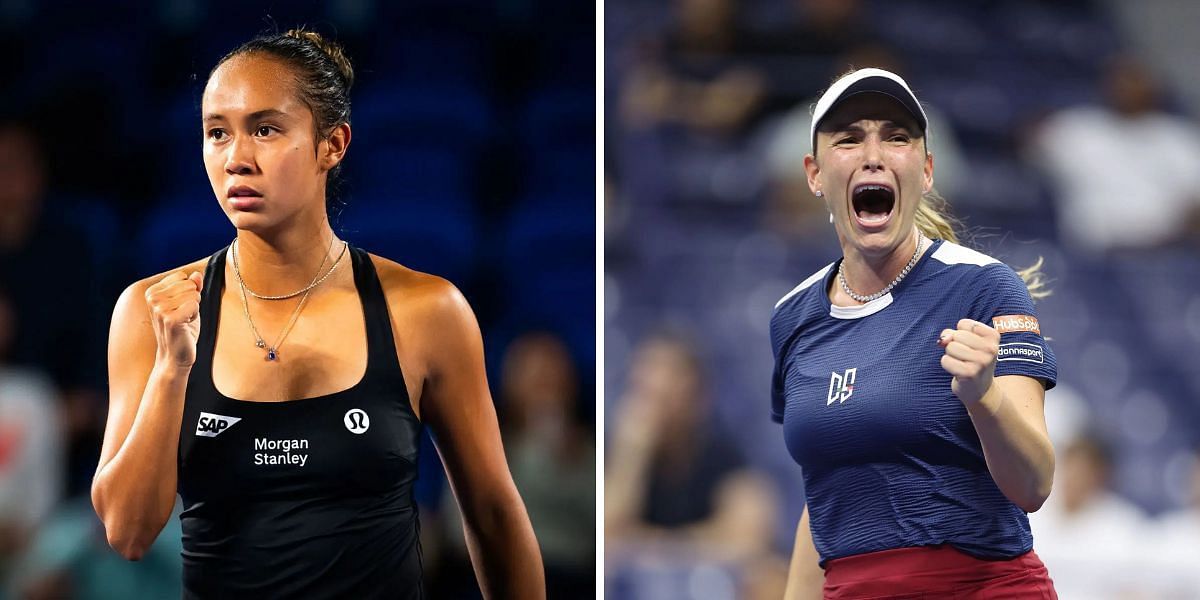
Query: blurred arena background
[
  {"x": 1064, "y": 130},
  {"x": 473, "y": 158}
]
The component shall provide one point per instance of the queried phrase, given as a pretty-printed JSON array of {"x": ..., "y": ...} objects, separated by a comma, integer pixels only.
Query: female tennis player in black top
[{"x": 264, "y": 384}]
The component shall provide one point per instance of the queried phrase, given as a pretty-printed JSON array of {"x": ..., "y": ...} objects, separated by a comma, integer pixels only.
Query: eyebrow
[
  {"x": 254, "y": 116},
  {"x": 855, "y": 128}
]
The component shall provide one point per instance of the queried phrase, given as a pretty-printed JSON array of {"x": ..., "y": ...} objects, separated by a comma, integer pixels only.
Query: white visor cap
[{"x": 867, "y": 81}]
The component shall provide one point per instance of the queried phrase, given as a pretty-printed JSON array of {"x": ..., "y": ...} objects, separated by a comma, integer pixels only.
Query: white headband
[{"x": 867, "y": 81}]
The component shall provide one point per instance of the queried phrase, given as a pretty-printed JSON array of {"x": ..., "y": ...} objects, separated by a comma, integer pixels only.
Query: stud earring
[{"x": 819, "y": 193}]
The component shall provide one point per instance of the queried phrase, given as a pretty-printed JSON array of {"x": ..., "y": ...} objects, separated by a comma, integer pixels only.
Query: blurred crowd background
[
  {"x": 473, "y": 158},
  {"x": 1064, "y": 130}
]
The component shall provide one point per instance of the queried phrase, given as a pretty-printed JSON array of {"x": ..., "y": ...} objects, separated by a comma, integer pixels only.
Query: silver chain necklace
[
  {"x": 273, "y": 349},
  {"x": 865, "y": 299},
  {"x": 315, "y": 282}
]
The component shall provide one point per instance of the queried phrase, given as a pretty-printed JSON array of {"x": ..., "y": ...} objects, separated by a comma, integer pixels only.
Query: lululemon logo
[{"x": 357, "y": 420}]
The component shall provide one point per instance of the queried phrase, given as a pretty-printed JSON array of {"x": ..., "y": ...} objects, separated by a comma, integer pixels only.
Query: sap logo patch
[
  {"x": 1016, "y": 324},
  {"x": 211, "y": 425},
  {"x": 1020, "y": 351}
]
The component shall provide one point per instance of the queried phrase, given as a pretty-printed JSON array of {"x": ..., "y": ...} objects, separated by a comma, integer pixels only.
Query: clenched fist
[
  {"x": 174, "y": 304},
  {"x": 970, "y": 357}
]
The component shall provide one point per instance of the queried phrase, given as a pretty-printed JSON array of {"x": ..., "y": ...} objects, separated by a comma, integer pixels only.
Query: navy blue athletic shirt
[
  {"x": 308, "y": 498},
  {"x": 889, "y": 454}
]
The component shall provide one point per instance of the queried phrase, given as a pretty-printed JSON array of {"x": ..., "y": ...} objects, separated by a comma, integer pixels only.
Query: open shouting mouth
[{"x": 873, "y": 204}]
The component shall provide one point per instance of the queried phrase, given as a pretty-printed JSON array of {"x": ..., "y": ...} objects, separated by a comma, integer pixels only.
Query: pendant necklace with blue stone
[{"x": 273, "y": 349}]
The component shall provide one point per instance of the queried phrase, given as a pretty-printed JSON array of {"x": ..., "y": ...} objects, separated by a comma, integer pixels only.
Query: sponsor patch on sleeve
[
  {"x": 1016, "y": 324},
  {"x": 1020, "y": 351}
]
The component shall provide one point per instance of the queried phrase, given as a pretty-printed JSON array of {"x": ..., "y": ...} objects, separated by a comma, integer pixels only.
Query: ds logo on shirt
[
  {"x": 211, "y": 425},
  {"x": 841, "y": 386}
]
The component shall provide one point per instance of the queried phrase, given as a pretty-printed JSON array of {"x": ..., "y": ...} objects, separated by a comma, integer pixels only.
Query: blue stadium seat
[
  {"x": 560, "y": 116},
  {"x": 563, "y": 169},
  {"x": 446, "y": 113},
  {"x": 409, "y": 172},
  {"x": 423, "y": 57},
  {"x": 182, "y": 229},
  {"x": 549, "y": 258},
  {"x": 434, "y": 234},
  {"x": 99, "y": 223}
]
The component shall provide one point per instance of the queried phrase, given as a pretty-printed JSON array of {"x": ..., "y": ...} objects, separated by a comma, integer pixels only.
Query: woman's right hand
[{"x": 174, "y": 304}]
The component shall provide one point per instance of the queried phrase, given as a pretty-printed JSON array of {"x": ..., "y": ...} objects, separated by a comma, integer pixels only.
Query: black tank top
[{"x": 309, "y": 498}]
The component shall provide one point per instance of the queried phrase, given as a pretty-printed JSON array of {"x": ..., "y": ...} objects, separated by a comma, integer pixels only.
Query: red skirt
[{"x": 936, "y": 572}]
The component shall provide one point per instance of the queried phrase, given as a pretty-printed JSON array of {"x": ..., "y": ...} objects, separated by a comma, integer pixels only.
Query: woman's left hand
[{"x": 970, "y": 356}]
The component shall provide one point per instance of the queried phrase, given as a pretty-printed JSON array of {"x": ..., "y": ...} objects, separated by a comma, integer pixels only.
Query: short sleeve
[
  {"x": 777, "y": 400},
  {"x": 1003, "y": 302},
  {"x": 778, "y": 389}
]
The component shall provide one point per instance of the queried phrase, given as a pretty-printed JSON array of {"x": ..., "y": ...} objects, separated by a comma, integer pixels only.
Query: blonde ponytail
[
  {"x": 934, "y": 220},
  {"x": 1034, "y": 280}
]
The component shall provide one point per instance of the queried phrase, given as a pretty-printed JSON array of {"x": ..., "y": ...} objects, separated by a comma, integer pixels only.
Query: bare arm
[
  {"x": 1008, "y": 414},
  {"x": 134, "y": 487},
  {"x": 457, "y": 406},
  {"x": 638, "y": 426},
  {"x": 1012, "y": 428},
  {"x": 806, "y": 579},
  {"x": 730, "y": 530}
]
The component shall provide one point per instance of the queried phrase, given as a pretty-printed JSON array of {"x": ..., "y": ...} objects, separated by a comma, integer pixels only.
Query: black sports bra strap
[
  {"x": 381, "y": 345},
  {"x": 210, "y": 304}
]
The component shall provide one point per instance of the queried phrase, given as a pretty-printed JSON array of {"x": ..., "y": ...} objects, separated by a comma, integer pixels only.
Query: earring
[
  {"x": 831, "y": 217},
  {"x": 819, "y": 193}
]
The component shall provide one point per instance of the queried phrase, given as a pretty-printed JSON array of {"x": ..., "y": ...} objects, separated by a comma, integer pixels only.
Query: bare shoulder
[
  {"x": 131, "y": 356},
  {"x": 420, "y": 297}
]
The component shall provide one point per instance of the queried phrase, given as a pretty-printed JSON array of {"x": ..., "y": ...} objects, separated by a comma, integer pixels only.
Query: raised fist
[
  {"x": 174, "y": 304},
  {"x": 970, "y": 356}
]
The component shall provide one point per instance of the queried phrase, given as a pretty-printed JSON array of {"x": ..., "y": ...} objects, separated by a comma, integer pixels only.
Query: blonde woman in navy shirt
[{"x": 909, "y": 377}]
